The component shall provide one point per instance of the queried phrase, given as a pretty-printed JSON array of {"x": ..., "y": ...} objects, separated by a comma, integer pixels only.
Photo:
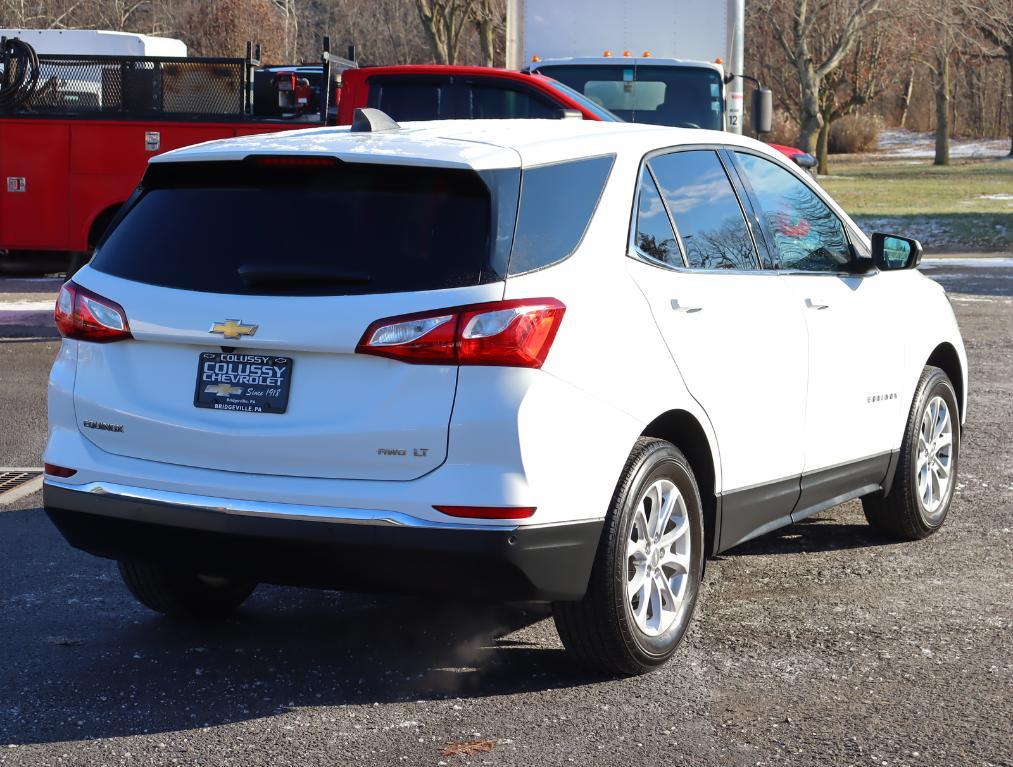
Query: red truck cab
[{"x": 440, "y": 92}]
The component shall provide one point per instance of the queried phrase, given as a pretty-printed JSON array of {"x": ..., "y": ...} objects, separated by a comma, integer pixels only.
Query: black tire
[
  {"x": 183, "y": 594},
  {"x": 902, "y": 514},
  {"x": 600, "y": 630}
]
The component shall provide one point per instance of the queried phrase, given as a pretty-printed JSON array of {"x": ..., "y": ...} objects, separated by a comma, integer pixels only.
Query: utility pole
[{"x": 736, "y": 52}]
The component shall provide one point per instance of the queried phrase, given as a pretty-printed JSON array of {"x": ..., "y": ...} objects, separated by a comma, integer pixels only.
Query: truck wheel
[
  {"x": 922, "y": 490},
  {"x": 647, "y": 570},
  {"x": 182, "y": 594}
]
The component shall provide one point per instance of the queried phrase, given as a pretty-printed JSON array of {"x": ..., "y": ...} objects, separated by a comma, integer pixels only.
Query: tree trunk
[
  {"x": 810, "y": 120},
  {"x": 1009, "y": 60},
  {"x": 823, "y": 146},
  {"x": 943, "y": 112},
  {"x": 486, "y": 31},
  {"x": 905, "y": 96}
]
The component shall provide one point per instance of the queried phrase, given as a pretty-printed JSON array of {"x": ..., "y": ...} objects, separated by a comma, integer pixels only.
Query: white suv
[{"x": 523, "y": 360}]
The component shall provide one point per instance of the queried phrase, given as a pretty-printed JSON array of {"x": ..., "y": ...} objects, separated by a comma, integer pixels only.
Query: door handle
[
  {"x": 813, "y": 303},
  {"x": 687, "y": 309}
]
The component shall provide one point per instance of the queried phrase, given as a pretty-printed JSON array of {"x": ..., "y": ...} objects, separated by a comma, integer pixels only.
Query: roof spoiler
[{"x": 372, "y": 121}]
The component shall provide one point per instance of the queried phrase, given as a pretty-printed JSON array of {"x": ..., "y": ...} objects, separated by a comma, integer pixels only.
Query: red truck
[
  {"x": 74, "y": 146},
  {"x": 433, "y": 92}
]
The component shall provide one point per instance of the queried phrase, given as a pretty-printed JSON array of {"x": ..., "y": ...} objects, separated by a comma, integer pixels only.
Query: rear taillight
[
  {"x": 516, "y": 333},
  {"x": 87, "y": 316}
]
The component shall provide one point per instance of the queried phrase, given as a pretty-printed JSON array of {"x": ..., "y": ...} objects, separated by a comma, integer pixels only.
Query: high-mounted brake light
[
  {"x": 515, "y": 333},
  {"x": 292, "y": 161},
  {"x": 87, "y": 316}
]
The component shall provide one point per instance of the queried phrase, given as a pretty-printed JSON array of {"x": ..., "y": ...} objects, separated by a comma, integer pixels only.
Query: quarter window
[
  {"x": 706, "y": 211},
  {"x": 557, "y": 202},
  {"x": 655, "y": 237},
  {"x": 807, "y": 235}
]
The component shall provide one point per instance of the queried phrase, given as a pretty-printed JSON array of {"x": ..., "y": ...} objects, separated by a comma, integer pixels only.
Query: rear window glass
[
  {"x": 407, "y": 101},
  {"x": 557, "y": 202},
  {"x": 239, "y": 227}
]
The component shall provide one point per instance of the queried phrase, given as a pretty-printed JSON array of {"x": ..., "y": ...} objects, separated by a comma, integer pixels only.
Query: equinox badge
[{"x": 233, "y": 329}]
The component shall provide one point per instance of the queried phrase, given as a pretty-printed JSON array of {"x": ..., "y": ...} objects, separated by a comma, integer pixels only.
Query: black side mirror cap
[
  {"x": 891, "y": 252},
  {"x": 762, "y": 113}
]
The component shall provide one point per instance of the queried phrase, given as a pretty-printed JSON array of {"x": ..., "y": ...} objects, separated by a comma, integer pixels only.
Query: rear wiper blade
[{"x": 260, "y": 274}]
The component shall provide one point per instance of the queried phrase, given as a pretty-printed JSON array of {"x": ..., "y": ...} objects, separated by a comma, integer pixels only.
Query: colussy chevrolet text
[{"x": 544, "y": 360}]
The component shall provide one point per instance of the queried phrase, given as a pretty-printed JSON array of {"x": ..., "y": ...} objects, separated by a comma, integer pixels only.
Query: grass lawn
[{"x": 948, "y": 208}]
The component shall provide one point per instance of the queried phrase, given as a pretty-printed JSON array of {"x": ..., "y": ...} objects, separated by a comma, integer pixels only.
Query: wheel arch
[
  {"x": 945, "y": 357},
  {"x": 101, "y": 222},
  {"x": 683, "y": 430}
]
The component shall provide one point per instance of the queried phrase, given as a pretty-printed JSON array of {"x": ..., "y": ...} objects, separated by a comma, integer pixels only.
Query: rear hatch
[{"x": 267, "y": 271}]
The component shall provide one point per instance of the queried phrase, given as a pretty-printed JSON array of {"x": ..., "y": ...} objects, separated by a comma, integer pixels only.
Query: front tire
[
  {"x": 923, "y": 486},
  {"x": 181, "y": 594},
  {"x": 646, "y": 574}
]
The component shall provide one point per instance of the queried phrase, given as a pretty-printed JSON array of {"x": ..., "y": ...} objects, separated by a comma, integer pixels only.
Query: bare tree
[
  {"x": 445, "y": 22},
  {"x": 489, "y": 18},
  {"x": 993, "y": 20},
  {"x": 798, "y": 35}
]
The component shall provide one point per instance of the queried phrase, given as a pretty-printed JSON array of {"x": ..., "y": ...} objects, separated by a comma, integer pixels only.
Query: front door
[
  {"x": 852, "y": 400},
  {"x": 736, "y": 335}
]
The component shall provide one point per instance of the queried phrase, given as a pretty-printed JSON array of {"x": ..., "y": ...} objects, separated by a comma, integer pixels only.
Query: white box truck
[{"x": 654, "y": 61}]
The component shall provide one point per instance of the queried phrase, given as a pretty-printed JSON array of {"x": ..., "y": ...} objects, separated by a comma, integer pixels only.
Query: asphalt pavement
[{"x": 818, "y": 644}]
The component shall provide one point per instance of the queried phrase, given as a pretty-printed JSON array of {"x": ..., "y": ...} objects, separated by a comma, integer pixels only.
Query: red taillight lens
[
  {"x": 488, "y": 512},
  {"x": 87, "y": 316},
  {"x": 59, "y": 471},
  {"x": 516, "y": 333}
]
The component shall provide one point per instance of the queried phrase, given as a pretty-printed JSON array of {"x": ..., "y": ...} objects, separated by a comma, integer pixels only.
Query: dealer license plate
[{"x": 248, "y": 383}]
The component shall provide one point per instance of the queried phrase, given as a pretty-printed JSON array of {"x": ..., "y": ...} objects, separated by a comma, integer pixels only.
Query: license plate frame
[{"x": 243, "y": 383}]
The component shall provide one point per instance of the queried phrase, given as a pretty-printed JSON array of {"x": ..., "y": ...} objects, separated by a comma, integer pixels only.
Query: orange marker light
[
  {"x": 607, "y": 54},
  {"x": 626, "y": 53},
  {"x": 719, "y": 61},
  {"x": 647, "y": 54},
  {"x": 535, "y": 59}
]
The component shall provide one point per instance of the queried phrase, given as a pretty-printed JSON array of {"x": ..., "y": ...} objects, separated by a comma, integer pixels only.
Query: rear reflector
[
  {"x": 87, "y": 316},
  {"x": 515, "y": 333},
  {"x": 59, "y": 471},
  {"x": 488, "y": 512}
]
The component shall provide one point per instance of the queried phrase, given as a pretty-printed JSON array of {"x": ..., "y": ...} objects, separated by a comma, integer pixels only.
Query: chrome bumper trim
[{"x": 268, "y": 509}]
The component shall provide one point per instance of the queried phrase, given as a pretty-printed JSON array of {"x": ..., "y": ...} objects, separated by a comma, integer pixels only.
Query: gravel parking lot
[{"x": 819, "y": 644}]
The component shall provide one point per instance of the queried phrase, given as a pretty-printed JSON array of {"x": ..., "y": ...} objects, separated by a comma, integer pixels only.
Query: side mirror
[
  {"x": 891, "y": 252},
  {"x": 804, "y": 160},
  {"x": 762, "y": 113}
]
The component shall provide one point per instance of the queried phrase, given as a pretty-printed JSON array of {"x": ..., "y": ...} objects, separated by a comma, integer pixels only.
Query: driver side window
[{"x": 808, "y": 236}]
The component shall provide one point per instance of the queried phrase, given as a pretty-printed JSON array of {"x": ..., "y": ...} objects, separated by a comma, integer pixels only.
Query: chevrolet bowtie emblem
[
  {"x": 233, "y": 329},
  {"x": 223, "y": 390}
]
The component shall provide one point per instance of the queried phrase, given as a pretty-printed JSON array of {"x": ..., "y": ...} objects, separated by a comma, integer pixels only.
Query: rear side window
[
  {"x": 705, "y": 209},
  {"x": 557, "y": 202},
  {"x": 239, "y": 227},
  {"x": 408, "y": 100},
  {"x": 496, "y": 103}
]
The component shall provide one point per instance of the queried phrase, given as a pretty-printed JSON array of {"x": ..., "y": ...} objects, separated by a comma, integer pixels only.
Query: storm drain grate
[{"x": 12, "y": 479}]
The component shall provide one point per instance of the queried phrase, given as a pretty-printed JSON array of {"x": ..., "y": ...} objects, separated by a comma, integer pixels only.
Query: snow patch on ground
[{"x": 897, "y": 142}]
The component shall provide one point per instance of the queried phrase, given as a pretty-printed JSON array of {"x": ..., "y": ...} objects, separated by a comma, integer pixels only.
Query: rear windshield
[
  {"x": 684, "y": 97},
  {"x": 344, "y": 229}
]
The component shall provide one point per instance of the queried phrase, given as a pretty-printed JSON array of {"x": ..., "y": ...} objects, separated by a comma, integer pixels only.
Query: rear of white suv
[{"x": 262, "y": 380}]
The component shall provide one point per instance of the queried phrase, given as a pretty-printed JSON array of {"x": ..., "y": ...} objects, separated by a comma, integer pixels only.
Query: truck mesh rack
[{"x": 127, "y": 86}]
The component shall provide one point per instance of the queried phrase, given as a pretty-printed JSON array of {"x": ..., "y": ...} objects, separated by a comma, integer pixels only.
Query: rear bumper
[{"x": 353, "y": 549}]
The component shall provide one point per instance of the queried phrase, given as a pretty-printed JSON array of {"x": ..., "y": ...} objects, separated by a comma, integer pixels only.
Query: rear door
[
  {"x": 218, "y": 265},
  {"x": 733, "y": 329}
]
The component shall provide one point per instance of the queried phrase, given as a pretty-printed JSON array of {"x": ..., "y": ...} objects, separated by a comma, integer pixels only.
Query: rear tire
[
  {"x": 629, "y": 622},
  {"x": 926, "y": 476},
  {"x": 183, "y": 594}
]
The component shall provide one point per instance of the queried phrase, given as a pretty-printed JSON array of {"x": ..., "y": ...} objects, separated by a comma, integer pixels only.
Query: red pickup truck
[{"x": 439, "y": 92}]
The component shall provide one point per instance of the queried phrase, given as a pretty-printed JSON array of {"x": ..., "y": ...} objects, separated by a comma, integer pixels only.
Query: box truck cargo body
[{"x": 655, "y": 61}]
